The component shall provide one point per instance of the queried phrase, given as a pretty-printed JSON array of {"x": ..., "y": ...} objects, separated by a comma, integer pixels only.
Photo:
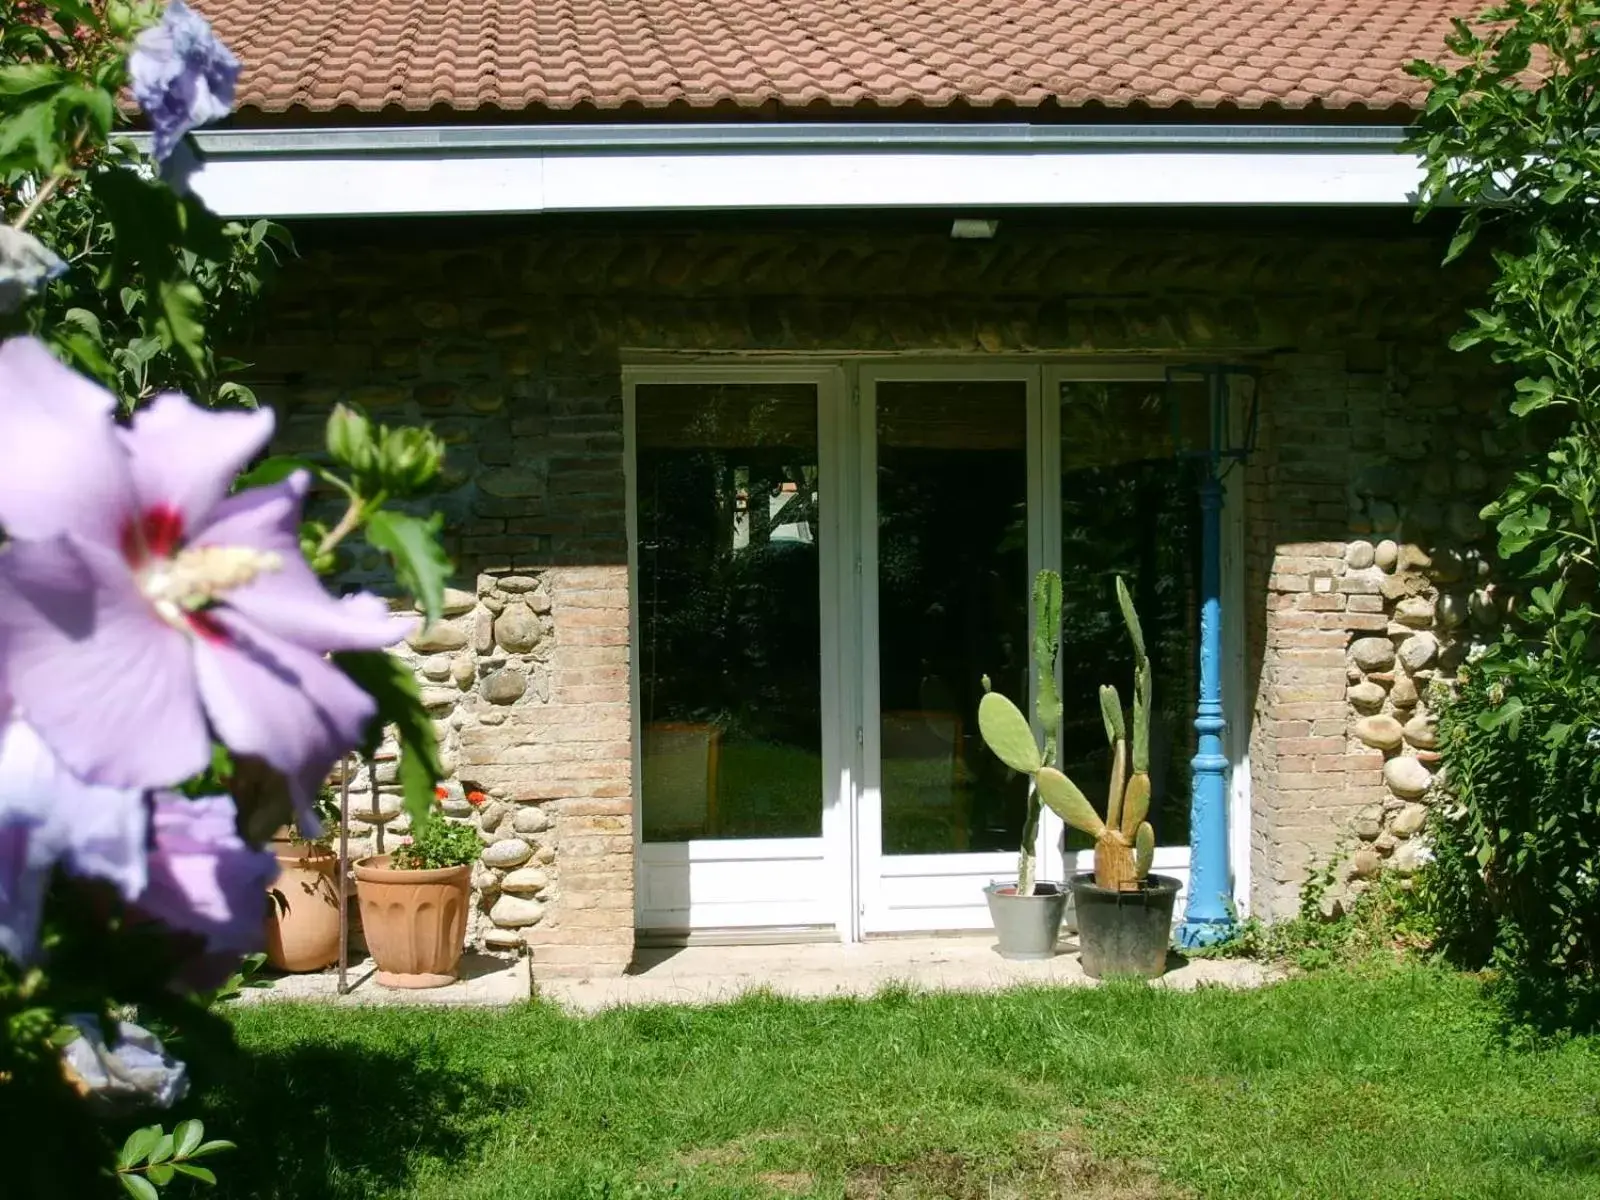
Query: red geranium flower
[{"x": 476, "y": 798}]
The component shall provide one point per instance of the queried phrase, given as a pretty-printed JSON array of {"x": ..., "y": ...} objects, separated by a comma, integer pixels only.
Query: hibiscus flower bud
[
  {"x": 350, "y": 439},
  {"x": 119, "y": 18},
  {"x": 409, "y": 459}
]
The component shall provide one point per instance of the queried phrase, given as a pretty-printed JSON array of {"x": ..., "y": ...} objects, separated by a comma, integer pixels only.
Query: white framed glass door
[
  {"x": 951, "y": 485},
  {"x": 973, "y": 479},
  {"x": 734, "y": 545},
  {"x": 825, "y": 562}
]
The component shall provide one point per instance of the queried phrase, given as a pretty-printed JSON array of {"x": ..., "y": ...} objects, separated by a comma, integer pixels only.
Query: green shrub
[
  {"x": 437, "y": 843},
  {"x": 1516, "y": 881},
  {"x": 1387, "y": 917}
]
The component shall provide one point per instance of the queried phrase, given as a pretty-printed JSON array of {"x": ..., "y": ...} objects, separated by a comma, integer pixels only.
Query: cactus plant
[
  {"x": 1124, "y": 841},
  {"x": 1005, "y": 730}
]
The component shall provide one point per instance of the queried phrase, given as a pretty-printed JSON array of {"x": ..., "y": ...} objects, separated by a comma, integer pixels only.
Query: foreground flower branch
[{"x": 176, "y": 681}]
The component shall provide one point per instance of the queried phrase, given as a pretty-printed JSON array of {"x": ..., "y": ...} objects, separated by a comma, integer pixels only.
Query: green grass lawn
[{"x": 1381, "y": 1082}]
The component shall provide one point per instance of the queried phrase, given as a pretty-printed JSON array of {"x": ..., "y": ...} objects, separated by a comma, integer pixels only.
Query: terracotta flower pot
[
  {"x": 415, "y": 922},
  {"x": 303, "y": 916}
]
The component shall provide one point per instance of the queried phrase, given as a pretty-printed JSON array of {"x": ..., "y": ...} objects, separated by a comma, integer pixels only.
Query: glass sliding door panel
[
  {"x": 729, "y": 612},
  {"x": 1128, "y": 508},
  {"x": 952, "y": 484}
]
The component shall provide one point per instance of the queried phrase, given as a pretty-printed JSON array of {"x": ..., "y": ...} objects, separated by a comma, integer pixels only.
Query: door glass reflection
[
  {"x": 952, "y": 606},
  {"x": 729, "y": 612}
]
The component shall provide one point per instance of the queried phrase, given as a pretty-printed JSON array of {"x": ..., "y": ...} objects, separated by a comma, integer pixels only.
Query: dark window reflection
[
  {"x": 952, "y": 602},
  {"x": 730, "y": 640},
  {"x": 1127, "y": 508}
]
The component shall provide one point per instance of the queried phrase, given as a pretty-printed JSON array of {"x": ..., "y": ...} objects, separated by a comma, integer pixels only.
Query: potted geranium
[
  {"x": 414, "y": 903},
  {"x": 1027, "y": 914},
  {"x": 1124, "y": 913},
  {"x": 303, "y": 913}
]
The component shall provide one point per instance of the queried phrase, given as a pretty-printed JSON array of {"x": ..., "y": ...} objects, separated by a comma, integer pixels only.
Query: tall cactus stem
[{"x": 1119, "y": 780}]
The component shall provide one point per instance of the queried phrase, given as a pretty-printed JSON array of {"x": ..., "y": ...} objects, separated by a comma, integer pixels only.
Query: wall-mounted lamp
[{"x": 973, "y": 228}]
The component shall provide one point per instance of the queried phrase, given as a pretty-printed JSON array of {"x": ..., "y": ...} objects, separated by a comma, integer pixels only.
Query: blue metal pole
[{"x": 1207, "y": 917}]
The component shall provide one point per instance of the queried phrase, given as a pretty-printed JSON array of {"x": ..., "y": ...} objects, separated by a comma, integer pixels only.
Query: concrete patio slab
[
  {"x": 708, "y": 974},
  {"x": 485, "y": 981}
]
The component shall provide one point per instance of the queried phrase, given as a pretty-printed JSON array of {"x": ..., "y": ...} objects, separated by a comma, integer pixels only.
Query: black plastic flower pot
[
  {"x": 1124, "y": 933},
  {"x": 1027, "y": 927}
]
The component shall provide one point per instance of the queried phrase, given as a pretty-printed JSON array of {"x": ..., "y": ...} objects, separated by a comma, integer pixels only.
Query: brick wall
[{"x": 511, "y": 343}]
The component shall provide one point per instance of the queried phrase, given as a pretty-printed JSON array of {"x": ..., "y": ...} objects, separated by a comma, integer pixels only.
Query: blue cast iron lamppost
[{"x": 1201, "y": 399}]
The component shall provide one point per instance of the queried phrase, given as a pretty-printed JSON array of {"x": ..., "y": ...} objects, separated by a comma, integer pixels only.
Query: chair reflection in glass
[
  {"x": 925, "y": 794},
  {"x": 679, "y": 785}
]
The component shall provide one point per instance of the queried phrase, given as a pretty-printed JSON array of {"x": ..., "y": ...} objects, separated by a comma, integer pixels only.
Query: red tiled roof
[{"x": 809, "y": 55}]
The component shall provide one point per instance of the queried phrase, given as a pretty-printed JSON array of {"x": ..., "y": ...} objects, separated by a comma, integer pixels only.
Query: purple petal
[
  {"x": 277, "y": 701},
  {"x": 181, "y": 75},
  {"x": 61, "y": 467},
  {"x": 204, "y": 878},
  {"x": 47, "y": 816},
  {"x": 291, "y": 602},
  {"x": 184, "y": 458},
  {"x": 26, "y": 265},
  {"x": 107, "y": 684},
  {"x": 22, "y": 887}
]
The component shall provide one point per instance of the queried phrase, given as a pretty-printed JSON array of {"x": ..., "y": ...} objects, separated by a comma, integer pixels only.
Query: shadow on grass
[{"x": 328, "y": 1121}]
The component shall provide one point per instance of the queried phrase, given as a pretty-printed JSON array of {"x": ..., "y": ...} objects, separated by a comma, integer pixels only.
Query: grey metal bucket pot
[{"x": 1027, "y": 927}]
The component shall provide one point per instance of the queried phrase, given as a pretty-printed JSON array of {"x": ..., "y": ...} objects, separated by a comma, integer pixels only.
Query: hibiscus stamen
[{"x": 181, "y": 586}]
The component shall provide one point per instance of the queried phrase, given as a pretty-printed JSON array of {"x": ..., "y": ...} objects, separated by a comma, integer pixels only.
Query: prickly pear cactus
[
  {"x": 1124, "y": 841},
  {"x": 1007, "y": 732}
]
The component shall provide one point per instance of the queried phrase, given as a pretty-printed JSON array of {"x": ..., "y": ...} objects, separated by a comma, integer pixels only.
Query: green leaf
[
  {"x": 392, "y": 684},
  {"x": 24, "y": 79},
  {"x": 182, "y": 321},
  {"x": 160, "y": 1174},
  {"x": 139, "y": 1144},
  {"x": 412, "y": 544},
  {"x": 1532, "y": 395},
  {"x": 195, "y": 1171},
  {"x": 138, "y": 1186},
  {"x": 271, "y": 470},
  {"x": 163, "y": 1149},
  {"x": 1463, "y": 238},
  {"x": 213, "y": 1147},
  {"x": 1497, "y": 717},
  {"x": 187, "y": 1136},
  {"x": 1006, "y": 732}
]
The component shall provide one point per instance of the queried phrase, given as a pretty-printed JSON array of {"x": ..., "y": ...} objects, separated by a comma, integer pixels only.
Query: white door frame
[
  {"x": 835, "y": 884},
  {"x": 712, "y": 886}
]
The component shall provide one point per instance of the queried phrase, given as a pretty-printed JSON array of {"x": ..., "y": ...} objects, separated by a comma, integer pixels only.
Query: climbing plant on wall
[{"x": 1509, "y": 134}]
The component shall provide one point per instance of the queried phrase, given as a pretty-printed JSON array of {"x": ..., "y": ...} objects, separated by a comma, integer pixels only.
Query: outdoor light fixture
[
  {"x": 973, "y": 228},
  {"x": 1214, "y": 412}
]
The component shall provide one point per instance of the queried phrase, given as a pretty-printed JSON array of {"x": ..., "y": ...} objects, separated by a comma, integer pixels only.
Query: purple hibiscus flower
[
  {"x": 48, "y": 817},
  {"x": 144, "y": 611},
  {"x": 205, "y": 880},
  {"x": 26, "y": 265},
  {"x": 182, "y": 76}
]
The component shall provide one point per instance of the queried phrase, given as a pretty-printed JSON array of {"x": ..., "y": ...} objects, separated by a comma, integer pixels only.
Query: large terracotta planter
[
  {"x": 414, "y": 921},
  {"x": 303, "y": 916}
]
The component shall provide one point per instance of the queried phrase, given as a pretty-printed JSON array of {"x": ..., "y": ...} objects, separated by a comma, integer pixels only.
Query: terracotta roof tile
[{"x": 557, "y": 55}]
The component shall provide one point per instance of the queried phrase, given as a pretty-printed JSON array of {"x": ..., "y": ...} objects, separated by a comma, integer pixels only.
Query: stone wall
[
  {"x": 511, "y": 343},
  {"x": 1377, "y": 579}
]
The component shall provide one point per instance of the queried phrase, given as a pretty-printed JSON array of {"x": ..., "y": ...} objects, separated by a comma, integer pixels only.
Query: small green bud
[
  {"x": 350, "y": 438},
  {"x": 119, "y": 18},
  {"x": 409, "y": 459}
]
